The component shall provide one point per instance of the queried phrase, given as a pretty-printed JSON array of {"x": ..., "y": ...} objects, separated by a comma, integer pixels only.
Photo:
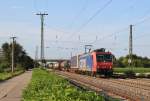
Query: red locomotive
[{"x": 97, "y": 61}]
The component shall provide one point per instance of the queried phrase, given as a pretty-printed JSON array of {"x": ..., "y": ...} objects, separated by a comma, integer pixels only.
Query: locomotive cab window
[
  {"x": 100, "y": 58},
  {"x": 108, "y": 57},
  {"x": 104, "y": 57}
]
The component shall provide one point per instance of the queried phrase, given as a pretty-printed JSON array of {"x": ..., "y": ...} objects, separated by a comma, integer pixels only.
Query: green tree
[
  {"x": 137, "y": 61},
  {"x": 7, "y": 52},
  {"x": 20, "y": 56}
]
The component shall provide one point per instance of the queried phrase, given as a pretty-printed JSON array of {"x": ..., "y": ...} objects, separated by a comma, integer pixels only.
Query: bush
[
  {"x": 3, "y": 67},
  {"x": 18, "y": 67},
  {"x": 8, "y": 75},
  {"x": 129, "y": 73},
  {"x": 141, "y": 75},
  {"x": 148, "y": 76},
  {"x": 136, "y": 70}
]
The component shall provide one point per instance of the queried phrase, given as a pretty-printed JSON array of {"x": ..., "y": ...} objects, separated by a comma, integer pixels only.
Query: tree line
[
  {"x": 21, "y": 58},
  {"x": 137, "y": 61}
]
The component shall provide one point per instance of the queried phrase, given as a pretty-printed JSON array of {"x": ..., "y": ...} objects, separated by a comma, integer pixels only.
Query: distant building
[{"x": 1, "y": 54}]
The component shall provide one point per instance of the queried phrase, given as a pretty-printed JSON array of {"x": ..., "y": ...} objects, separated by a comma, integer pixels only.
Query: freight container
[
  {"x": 85, "y": 62},
  {"x": 75, "y": 62}
]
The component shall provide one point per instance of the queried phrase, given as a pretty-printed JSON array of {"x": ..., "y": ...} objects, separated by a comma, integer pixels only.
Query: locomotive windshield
[{"x": 104, "y": 57}]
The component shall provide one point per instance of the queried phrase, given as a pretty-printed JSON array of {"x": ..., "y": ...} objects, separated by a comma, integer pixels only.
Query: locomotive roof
[{"x": 99, "y": 51}]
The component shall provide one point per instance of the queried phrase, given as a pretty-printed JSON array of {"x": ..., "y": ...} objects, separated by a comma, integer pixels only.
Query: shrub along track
[{"x": 135, "y": 90}]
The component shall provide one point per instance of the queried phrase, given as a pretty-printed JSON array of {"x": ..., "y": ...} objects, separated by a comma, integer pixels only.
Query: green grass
[
  {"x": 8, "y": 75},
  {"x": 46, "y": 86},
  {"x": 135, "y": 69}
]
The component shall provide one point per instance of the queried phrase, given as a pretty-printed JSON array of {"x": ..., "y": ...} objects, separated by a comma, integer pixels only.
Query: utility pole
[
  {"x": 36, "y": 56},
  {"x": 130, "y": 46},
  {"x": 42, "y": 35},
  {"x": 12, "y": 54},
  {"x": 79, "y": 37},
  {"x": 71, "y": 54}
]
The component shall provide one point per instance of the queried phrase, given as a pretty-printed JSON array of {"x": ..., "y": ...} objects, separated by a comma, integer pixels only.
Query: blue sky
[{"x": 64, "y": 30}]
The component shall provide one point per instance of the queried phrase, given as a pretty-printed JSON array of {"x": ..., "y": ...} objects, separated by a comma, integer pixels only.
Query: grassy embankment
[
  {"x": 46, "y": 86},
  {"x": 7, "y": 75},
  {"x": 135, "y": 69}
]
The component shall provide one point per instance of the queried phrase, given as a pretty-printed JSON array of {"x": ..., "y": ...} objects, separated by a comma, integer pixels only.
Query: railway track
[
  {"x": 135, "y": 90},
  {"x": 136, "y": 84}
]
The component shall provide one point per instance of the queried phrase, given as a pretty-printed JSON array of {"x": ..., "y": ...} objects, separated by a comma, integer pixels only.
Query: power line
[
  {"x": 135, "y": 24},
  {"x": 143, "y": 18},
  {"x": 142, "y": 45},
  {"x": 78, "y": 40},
  {"x": 141, "y": 36},
  {"x": 91, "y": 18},
  {"x": 130, "y": 6},
  {"x": 110, "y": 35},
  {"x": 79, "y": 14},
  {"x": 142, "y": 21}
]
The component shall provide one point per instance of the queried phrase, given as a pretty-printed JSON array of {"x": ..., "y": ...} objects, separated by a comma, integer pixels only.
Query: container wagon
[{"x": 74, "y": 62}]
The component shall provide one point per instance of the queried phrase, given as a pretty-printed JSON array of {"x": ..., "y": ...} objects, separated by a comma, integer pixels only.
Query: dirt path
[{"x": 11, "y": 90}]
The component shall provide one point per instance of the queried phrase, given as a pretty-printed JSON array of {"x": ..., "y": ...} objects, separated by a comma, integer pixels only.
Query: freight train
[{"x": 96, "y": 62}]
